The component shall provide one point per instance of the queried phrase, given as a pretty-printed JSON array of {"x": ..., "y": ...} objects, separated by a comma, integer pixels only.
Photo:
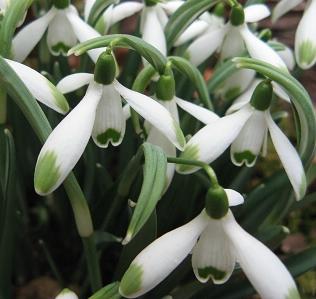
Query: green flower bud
[
  {"x": 262, "y": 95},
  {"x": 237, "y": 15},
  {"x": 105, "y": 68},
  {"x": 61, "y": 4},
  {"x": 166, "y": 87},
  {"x": 265, "y": 34},
  {"x": 216, "y": 203},
  {"x": 219, "y": 10}
]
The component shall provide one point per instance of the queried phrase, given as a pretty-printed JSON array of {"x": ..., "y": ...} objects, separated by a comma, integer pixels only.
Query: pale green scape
[
  {"x": 132, "y": 280},
  {"x": 191, "y": 152},
  {"x": 46, "y": 173},
  {"x": 306, "y": 52}
]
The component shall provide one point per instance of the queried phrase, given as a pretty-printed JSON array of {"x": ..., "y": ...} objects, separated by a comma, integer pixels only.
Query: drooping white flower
[
  {"x": 99, "y": 114},
  {"x": 64, "y": 28},
  {"x": 41, "y": 89},
  {"x": 282, "y": 7},
  {"x": 66, "y": 294},
  {"x": 246, "y": 131},
  {"x": 217, "y": 244}
]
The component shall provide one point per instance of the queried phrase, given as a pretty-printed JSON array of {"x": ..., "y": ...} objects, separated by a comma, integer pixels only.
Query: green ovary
[
  {"x": 211, "y": 271},
  {"x": 307, "y": 52},
  {"x": 109, "y": 135},
  {"x": 132, "y": 280},
  {"x": 46, "y": 173},
  {"x": 246, "y": 156}
]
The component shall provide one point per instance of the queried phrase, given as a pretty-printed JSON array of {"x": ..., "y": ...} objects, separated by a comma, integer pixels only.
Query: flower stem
[{"x": 3, "y": 107}]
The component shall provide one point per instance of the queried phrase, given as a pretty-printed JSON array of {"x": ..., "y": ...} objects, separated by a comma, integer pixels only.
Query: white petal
[
  {"x": 212, "y": 140},
  {"x": 305, "y": 38},
  {"x": 248, "y": 143},
  {"x": 289, "y": 157},
  {"x": 110, "y": 122},
  {"x": 244, "y": 98},
  {"x": 287, "y": 55},
  {"x": 66, "y": 143},
  {"x": 255, "y": 13},
  {"x": 194, "y": 30},
  {"x": 154, "y": 113},
  {"x": 84, "y": 32},
  {"x": 212, "y": 257},
  {"x": 74, "y": 82},
  {"x": 232, "y": 45},
  {"x": 60, "y": 36},
  {"x": 42, "y": 89},
  {"x": 234, "y": 197},
  {"x": 198, "y": 52},
  {"x": 152, "y": 30},
  {"x": 161, "y": 257},
  {"x": 27, "y": 38},
  {"x": 263, "y": 268},
  {"x": 87, "y": 8},
  {"x": 261, "y": 50},
  {"x": 127, "y": 111},
  {"x": 283, "y": 7},
  {"x": 202, "y": 114},
  {"x": 162, "y": 16},
  {"x": 237, "y": 83},
  {"x": 66, "y": 294},
  {"x": 280, "y": 92},
  {"x": 171, "y": 6}
]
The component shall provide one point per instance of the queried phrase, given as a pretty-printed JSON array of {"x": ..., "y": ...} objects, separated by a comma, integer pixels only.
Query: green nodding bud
[
  {"x": 105, "y": 68},
  {"x": 61, "y": 4},
  {"x": 216, "y": 202},
  {"x": 265, "y": 34},
  {"x": 151, "y": 2},
  {"x": 219, "y": 10},
  {"x": 237, "y": 15},
  {"x": 262, "y": 95},
  {"x": 166, "y": 86}
]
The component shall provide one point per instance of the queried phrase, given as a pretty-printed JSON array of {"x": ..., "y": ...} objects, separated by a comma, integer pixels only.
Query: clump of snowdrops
[{"x": 152, "y": 162}]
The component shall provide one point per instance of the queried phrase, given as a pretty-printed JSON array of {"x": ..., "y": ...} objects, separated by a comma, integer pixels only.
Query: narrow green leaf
[
  {"x": 150, "y": 53},
  {"x": 193, "y": 74},
  {"x": 184, "y": 16},
  {"x": 111, "y": 291},
  {"x": 97, "y": 10},
  {"x": 153, "y": 185}
]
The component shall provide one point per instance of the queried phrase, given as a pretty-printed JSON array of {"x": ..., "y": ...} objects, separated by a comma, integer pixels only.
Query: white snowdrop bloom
[
  {"x": 40, "y": 88},
  {"x": 66, "y": 294},
  {"x": 64, "y": 28},
  {"x": 282, "y": 7},
  {"x": 216, "y": 243},
  {"x": 99, "y": 114},
  {"x": 246, "y": 131}
]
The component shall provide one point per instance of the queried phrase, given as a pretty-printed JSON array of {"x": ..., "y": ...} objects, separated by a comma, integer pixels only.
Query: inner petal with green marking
[
  {"x": 307, "y": 52},
  {"x": 110, "y": 135},
  {"x": 246, "y": 157},
  {"x": 210, "y": 271}
]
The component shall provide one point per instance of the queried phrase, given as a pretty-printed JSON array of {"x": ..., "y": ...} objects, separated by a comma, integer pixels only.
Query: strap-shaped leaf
[
  {"x": 150, "y": 53},
  {"x": 13, "y": 15},
  {"x": 97, "y": 10},
  {"x": 110, "y": 291},
  {"x": 300, "y": 99},
  {"x": 184, "y": 16},
  {"x": 193, "y": 74},
  {"x": 154, "y": 180}
]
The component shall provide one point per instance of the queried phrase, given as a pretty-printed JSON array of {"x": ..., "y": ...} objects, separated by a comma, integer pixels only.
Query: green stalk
[{"x": 3, "y": 106}]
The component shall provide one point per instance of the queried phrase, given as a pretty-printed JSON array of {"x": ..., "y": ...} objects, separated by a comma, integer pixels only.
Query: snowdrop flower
[
  {"x": 66, "y": 294},
  {"x": 282, "y": 7},
  {"x": 40, "y": 88},
  {"x": 64, "y": 28},
  {"x": 99, "y": 114},
  {"x": 217, "y": 242},
  {"x": 246, "y": 130}
]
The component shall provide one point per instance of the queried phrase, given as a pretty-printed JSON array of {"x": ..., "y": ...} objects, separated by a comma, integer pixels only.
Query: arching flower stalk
[{"x": 99, "y": 114}]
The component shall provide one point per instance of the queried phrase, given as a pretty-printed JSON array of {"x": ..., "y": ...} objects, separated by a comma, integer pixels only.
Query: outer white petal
[
  {"x": 280, "y": 92},
  {"x": 260, "y": 50},
  {"x": 232, "y": 45},
  {"x": 283, "y": 7},
  {"x": 161, "y": 257},
  {"x": 212, "y": 256},
  {"x": 42, "y": 89},
  {"x": 124, "y": 10},
  {"x": 60, "y": 36},
  {"x": 287, "y": 55},
  {"x": 237, "y": 83},
  {"x": 109, "y": 125},
  {"x": 202, "y": 114},
  {"x": 244, "y": 98},
  {"x": 74, "y": 82},
  {"x": 305, "y": 38},
  {"x": 234, "y": 197},
  {"x": 153, "y": 31},
  {"x": 171, "y": 6},
  {"x": 263, "y": 268},
  {"x": 162, "y": 16},
  {"x": 84, "y": 32},
  {"x": 127, "y": 111},
  {"x": 194, "y": 30},
  {"x": 27, "y": 38},
  {"x": 256, "y": 13},
  {"x": 212, "y": 140},
  {"x": 87, "y": 8},
  {"x": 154, "y": 113},
  {"x": 66, "y": 143},
  {"x": 289, "y": 157},
  {"x": 248, "y": 143},
  {"x": 66, "y": 294},
  {"x": 205, "y": 45}
]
